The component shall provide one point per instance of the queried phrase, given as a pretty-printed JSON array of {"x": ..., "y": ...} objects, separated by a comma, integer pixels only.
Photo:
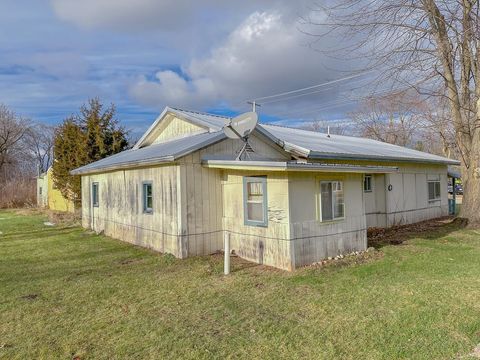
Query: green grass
[{"x": 65, "y": 293}]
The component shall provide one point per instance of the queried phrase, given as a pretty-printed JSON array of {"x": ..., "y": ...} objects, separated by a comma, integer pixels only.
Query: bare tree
[
  {"x": 325, "y": 127},
  {"x": 393, "y": 118},
  {"x": 12, "y": 132},
  {"x": 38, "y": 140},
  {"x": 430, "y": 45}
]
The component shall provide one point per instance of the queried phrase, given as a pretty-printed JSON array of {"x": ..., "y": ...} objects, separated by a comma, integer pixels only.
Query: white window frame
[
  {"x": 263, "y": 181},
  {"x": 365, "y": 177},
  {"x": 319, "y": 202}
]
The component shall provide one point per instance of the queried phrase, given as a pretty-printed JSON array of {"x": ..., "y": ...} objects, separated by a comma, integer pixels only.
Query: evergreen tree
[{"x": 91, "y": 135}]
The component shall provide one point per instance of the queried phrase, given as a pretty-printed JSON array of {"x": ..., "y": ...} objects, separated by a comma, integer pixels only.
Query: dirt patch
[
  {"x": 396, "y": 235},
  {"x": 29, "y": 297},
  {"x": 129, "y": 261}
]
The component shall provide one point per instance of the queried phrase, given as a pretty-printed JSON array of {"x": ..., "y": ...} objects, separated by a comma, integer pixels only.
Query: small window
[
  {"x": 255, "y": 200},
  {"x": 147, "y": 198},
  {"x": 367, "y": 183},
  {"x": 434, "y": 192},
  {"x": 332, "y": 205},
  {"x": 40, "y": 190},
  {"x": 95, "y": 194}
]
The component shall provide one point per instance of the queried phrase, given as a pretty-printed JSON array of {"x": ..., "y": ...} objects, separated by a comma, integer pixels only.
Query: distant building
[{"x": 48, "y": 196}]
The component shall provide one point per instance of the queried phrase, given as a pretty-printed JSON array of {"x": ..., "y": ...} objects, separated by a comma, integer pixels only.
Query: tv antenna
[{"x": 241, "y": 127}]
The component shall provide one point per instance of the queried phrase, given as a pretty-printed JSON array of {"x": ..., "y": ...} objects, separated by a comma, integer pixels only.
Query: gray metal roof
[
  {"x": 312, "y": 145},
  {"x": 317, "y": 145},
  {"x": 154, "y": 154}
]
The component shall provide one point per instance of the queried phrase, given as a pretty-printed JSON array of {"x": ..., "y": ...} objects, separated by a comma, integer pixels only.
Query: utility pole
[{"x": 254, "y": 105}]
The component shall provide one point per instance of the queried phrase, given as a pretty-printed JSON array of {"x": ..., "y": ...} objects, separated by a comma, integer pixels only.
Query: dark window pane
[
  {"x": 431, "y": 191},
  {"x": 326, "y": 200}
]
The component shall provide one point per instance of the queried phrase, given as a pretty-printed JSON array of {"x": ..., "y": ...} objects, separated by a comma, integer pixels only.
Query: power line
[
  {"x": 337, "y": 103},
  {"x": 311, "y": 87}
]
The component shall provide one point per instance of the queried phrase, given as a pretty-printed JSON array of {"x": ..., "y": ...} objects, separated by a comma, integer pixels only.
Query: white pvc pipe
[{"x": 226, "y": 247}]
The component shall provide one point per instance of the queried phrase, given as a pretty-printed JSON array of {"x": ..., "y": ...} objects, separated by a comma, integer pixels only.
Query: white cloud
[{"x": 265, "y": 54}]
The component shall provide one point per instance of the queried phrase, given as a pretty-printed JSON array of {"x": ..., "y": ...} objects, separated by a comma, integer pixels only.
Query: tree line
[{"x": 29, "y": 148}]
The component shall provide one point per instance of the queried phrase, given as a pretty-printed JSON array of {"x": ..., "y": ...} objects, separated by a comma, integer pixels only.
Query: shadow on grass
[{"x": 428, "y": 229}]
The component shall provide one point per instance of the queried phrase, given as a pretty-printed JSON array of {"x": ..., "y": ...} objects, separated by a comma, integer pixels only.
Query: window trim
[
  {"x": 144, "y": 197},
  {"x": 95, "y": 199},
  {"x": 257, "y": 179},
  {"x": 319, "y": 201},
  {"x": 439, "y": 198},
  {"x": 371, "y": 184}
]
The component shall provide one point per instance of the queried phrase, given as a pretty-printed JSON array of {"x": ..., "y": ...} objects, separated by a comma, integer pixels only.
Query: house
[
  {"x": 304, "y": 196},
  {"x": 48, "y": 196}
]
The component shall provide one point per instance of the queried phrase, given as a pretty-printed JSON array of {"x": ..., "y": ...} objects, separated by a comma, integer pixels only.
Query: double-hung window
[
  {"x": 95, "y": 194},
  {"x": 434, "y": 192},
  {"x": 332, "y": 205},
  {"x": 147, "y": 198},
  {"x": 255, "y": 200},
  {"x": 367, "y": 183}
]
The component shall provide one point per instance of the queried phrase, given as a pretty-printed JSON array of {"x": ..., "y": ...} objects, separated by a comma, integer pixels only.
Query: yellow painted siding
[{"x": 56, "y": 201}]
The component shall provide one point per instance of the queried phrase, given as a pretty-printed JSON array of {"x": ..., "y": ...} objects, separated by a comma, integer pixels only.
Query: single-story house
[
  {"x": 48, "y": 196},
  {"x": 302, "y": 197}
]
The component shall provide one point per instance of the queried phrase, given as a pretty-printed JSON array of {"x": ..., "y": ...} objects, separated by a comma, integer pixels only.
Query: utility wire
[{"x": 310, "y": 87}]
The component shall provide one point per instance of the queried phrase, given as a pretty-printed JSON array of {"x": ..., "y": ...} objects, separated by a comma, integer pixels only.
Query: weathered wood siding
[
  {"x": 42, "y": 198},
  {"x": 407, "y": 202},
  {"x": 375, "y": 209},
  {"x": 313, "y": 240},
  {"x": 174, "y": 128},
  {"x": 120, "y": 212},
  {"x": 268, "y": 245},
  {"x": 203, "y": 201}
]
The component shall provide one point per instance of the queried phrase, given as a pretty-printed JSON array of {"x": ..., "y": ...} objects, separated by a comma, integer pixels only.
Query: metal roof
[
  {"x": 154, "y": 154},
  {"x": 309, "y": 144},
  {"x": 315, "y": 145}
]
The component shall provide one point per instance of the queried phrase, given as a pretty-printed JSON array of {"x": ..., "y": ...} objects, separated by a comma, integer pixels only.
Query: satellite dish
[{"x": 241, "y": 127}]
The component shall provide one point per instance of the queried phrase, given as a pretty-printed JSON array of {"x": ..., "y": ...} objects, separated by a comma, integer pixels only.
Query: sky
[{"x": 142, "y": 55}]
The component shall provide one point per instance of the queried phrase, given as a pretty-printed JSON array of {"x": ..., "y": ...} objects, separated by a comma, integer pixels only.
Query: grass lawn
[{"x": 65, "y": 293}]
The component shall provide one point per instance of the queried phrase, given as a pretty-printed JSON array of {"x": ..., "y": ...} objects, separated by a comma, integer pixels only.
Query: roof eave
[
  {"x": 289, "y": 166},
  {"x": 317, "y": 156},
  {"x": 126, "y": 165}
]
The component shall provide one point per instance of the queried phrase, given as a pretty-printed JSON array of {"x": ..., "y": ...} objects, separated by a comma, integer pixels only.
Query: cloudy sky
[{"x": 206, "y": 55}]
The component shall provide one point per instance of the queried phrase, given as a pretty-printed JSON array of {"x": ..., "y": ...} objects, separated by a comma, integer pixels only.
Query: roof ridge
[{"x": 201, "y": 113}]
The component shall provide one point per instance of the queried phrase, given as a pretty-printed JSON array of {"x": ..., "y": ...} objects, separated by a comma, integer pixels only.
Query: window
[
  {"x": 40, "y": 190},
  {"x": 434, "y": 193},
  {"x": 367, "y": 183},
  {"x": 255, "y": 200},
  {"x": 95, "y": 194},
  {"x": 331, "y": 200},
  {"x": 147, "y": 198}
]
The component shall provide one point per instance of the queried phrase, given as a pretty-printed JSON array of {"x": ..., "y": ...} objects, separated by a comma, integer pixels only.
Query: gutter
[
  {"x": 293, "y": 166},
  {"x": 338, "y": 156}
]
